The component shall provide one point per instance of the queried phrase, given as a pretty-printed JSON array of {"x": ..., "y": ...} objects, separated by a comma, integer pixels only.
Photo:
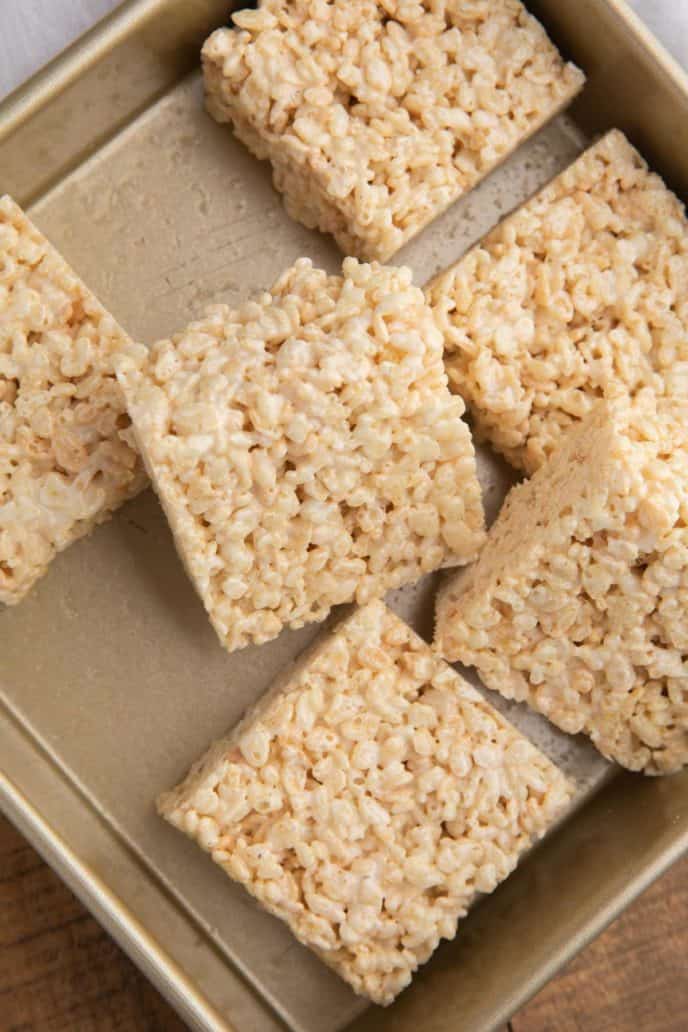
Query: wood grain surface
[{"x": 60, "y": 972}]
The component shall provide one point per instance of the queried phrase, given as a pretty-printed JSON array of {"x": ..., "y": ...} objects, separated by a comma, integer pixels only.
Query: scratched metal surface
[{"x": 183, "y": 213}]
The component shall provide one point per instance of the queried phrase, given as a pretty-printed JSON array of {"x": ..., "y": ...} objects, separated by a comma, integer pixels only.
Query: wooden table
[{"x": 60, "y": 972}]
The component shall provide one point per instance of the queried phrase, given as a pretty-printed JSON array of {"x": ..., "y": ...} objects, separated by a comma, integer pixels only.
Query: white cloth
[{"x": 33, "y": 31}]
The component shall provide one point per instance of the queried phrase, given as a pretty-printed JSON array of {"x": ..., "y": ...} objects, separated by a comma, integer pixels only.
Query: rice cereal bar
[
  {"x": 376, "y": 116},
  {"x": 306, "y": 448},
  {"x": 66, "y": 456},
  {"x": 581, "y": 292},
  {"x": 367, "y": 799},
  {"x": 578, "y": 603}
]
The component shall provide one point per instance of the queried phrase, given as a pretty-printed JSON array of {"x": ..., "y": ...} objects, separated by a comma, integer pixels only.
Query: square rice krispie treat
[
  {"x": 377, "y": 114},
  {"x": 578, "y": 603},
  {"x": 366, "y": 800},
  {"x": 582, "y": 291},
  {"x": 66, "y": 456},
  {"x": 306, "y": 448}
]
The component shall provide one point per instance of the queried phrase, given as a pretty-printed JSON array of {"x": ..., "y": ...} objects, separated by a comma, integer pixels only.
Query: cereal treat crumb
[
  {"x": 66, "y": 456},
  {"x": 579, "y": 601},
  {"x": 307, "y": 449},
  {"x": 367, "y": 799},
  {"x": 377, "y": 114},
  {"x": 581, "y": 292}
]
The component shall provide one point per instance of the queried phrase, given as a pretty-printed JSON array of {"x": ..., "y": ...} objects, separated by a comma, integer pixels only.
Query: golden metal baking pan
[{"x": 111, "y": 679}]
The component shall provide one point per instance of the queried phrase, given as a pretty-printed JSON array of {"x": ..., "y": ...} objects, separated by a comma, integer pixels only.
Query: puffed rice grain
[
  {"x": 67, "y": 459},
  {"x": 578, "y": 603},
  {"x": 306, "y": 448},
  {"x": 378, "y": 114},
  {"x": 367, "y": 799},
  {"x": 582, "y": 291}
]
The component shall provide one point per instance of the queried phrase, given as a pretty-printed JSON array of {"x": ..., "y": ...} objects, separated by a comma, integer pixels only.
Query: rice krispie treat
[
  {"x": 578, "y": 603},
  {"x": 581, "y": 292},
  {"x": 306, "y": 448},
  {"x": 366, "y": 800},
  {"x": 377, "y": 114},
  {"x": 66, "y": 456}
]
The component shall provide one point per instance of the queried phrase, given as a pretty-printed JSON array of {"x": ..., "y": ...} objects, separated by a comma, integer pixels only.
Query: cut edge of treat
[
  {"x": 80, "y": 528},
  {"x": 559, "y": 786}
]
